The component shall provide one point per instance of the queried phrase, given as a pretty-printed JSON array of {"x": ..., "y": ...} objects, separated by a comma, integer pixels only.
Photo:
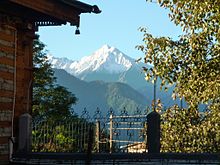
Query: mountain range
[
  {"x": 107, "y": 64},
  {"x": 100, "y": 94},
  {"x": 105, "y": 74}
]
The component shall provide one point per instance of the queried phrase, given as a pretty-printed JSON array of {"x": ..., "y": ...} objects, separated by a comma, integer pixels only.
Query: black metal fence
[
  {"x": 109, "y": 133},
  {"x": 110, "y": 138}
]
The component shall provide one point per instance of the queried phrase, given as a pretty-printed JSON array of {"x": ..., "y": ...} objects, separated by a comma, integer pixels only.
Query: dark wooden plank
[
  {"x": 7, "y": 61},
  {"x": 4, "y": 93},
  {"x": 5, "y": 124},
  {"x": 7, "y": 49},
  {"x": 6, "y": 105},
  {"x": 7, "y": 37},
  {"x": 3, "y": 140},
  {"x": 6, "y": 75},
  {"x": 52, "y": 8},
  {"x": 3, "y": 157},
  {"x": 6, "y": 30}
]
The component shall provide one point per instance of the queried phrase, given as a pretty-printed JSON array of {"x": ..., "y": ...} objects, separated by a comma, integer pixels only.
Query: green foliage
[
  {"x": 192, "y": 65},
  {"x": 186, "y": 130},
  {"x": 53, "y": 139},
  {"x": 50, "y": 101},
  {"x": 193, "y": 62},
  {"x": 51, "y": 107},
  {"x": 69, "y": 136}
]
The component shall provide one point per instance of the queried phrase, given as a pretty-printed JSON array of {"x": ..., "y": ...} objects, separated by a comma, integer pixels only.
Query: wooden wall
[{"x": 16, "y": 38}]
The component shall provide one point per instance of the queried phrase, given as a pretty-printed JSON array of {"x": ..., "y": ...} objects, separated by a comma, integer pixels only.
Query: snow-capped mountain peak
[
  {"x": 60, "y": 63},
  {"x": 107, "y": 59}
]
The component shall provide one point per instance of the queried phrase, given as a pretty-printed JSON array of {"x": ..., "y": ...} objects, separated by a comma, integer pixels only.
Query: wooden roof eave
[
  {"x": 84, "y": 8},
  {"x": 53, "y": 10}
]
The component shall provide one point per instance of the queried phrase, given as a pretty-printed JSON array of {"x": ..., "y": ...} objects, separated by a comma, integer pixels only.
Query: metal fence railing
[
  {"x": 123, "y": 132},
  {"x": 128, "y": 133},
  {"x": 112, "y": 132},
  {"x": 88, "y": 139},
  {"x": 61, "y": 137}
]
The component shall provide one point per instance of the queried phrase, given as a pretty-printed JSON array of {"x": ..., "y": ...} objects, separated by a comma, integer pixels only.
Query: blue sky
[{"x": 116, "y": 26}]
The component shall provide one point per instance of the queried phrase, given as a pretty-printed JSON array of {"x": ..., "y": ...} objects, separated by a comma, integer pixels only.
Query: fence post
[
  {"x": 90, "y": 144},
  {"x": 98, "y": 135},
  {"x": 25, "y": 130},
  {"x": 153, "y": 132},
  {"x": 111, "y": 134}
]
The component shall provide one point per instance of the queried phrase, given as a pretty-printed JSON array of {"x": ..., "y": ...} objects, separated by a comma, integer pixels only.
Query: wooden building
[{"x": 19, "y": 19}]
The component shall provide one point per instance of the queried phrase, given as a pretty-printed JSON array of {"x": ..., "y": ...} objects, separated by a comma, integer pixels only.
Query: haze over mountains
[
  {"x": 96, "y": 76},
  {"x": 104, "y": 95},
  {"x": 107, "y": 64}
]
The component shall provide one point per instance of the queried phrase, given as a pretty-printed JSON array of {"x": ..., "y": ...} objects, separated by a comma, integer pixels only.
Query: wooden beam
[
  {"x": 52, "y": 8},
  {"x": 7, "y": 37},
  {"x": 7, "y": 76}
]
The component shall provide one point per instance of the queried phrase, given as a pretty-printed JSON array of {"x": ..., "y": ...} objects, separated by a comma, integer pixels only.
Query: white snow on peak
[
  {"x": 59, "y": 63},
  {"x": 107, "y": 59}
]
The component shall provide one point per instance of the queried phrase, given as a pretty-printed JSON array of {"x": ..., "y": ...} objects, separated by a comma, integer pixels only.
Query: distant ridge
[
  {"x": 95, "y": 94},
  {"x": 109, "y": 64}
]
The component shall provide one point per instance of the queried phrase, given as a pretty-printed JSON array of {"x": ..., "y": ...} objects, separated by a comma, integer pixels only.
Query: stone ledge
[
  {"x": 6, "y": 85},
  {"x": 7, "y": 55},
  {"x": 5, "y": 115},
  {"x": 6, "y": 68},
  {"x": 7, "y": 43},
  {"x": 6, "y": 100},
  {"x": 4, "y": 149},
  {"x": 5, "y": 131}
]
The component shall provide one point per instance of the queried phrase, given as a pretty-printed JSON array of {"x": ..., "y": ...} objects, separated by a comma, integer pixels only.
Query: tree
[
  {"x": 192, "y": 63},
  {"x": 186, "y": 130},
  {"x": 50, "y": 101},
  {"x": 51, "y": 104}
]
